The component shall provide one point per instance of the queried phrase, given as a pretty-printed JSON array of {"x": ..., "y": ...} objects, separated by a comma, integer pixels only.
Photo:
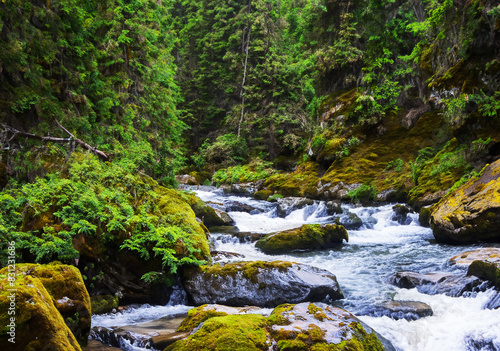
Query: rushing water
[{"x": 378, "y": 249}]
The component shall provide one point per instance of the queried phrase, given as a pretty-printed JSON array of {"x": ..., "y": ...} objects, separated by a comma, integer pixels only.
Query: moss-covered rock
[
  {"x": 483, "y": 263},
  {"x": 317, "y": 326},
  {"x": 307, "y": 237},
  {"x": 472, "y": 212},
  {"x": 262, "y": 194},
  {"x": 37, "y": 323},
  {"x": 259, "y": 283},
  {"x": 207, "y": 214},
  {"x": 103, "y": 303},
  {"x": 302, "y": 327},
  {"x": 65, "y": 285},
  {"x": 227, "y": 333}
]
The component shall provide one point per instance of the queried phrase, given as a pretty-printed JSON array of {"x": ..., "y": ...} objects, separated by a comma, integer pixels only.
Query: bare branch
[{"x": 15, "y": 133}]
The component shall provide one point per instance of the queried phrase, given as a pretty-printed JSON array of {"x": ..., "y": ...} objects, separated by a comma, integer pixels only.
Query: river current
[{"x": 375, "y": 251}]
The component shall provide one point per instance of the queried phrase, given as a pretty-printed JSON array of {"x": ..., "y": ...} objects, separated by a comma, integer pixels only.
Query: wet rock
[
  {"x": 236, "y": 206},
  {"x": 287, "y": 205},
  {"x": 307, "y": 237},
  {"x": 409, "y": 310},
  {"x": 158, "y": 333},
  {"x": 484, "y": 254},
  {"x": 95, "y": 345},
  {"x": 226, "y": 219},
  {"x": 38, "y": 324},
  {"x": 400, "y": 214},
  {"x": 245, "y": 189},
  {"x": 333, "y": 207},
  {"x": 262, "y": 194},
  {"x": 388, "y": 195},
  {"x": 472, "y": 212},
  {"x": 295, "y": 327},
  {"x": 209, "y": 216},
  {"x": 186, "y": 179},
  {"x": 306, "y": 326},
  {"x": 488, "y": 269},
  {"x": 350, "y": 221},
  {"x": 259, "y": 283},
  {"x": 220, "y": 256},
  {"x": 249, "y": 237},
  {"x": 437, "y": 283},
  {"x": 424, "y": 216}
]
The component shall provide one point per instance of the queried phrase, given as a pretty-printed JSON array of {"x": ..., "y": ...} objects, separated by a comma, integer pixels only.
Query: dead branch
[{"x": 9, "y": 133}]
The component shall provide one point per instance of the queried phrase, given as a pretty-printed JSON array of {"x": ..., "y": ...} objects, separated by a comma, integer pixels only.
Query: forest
[{"x": 109, "y": 109}]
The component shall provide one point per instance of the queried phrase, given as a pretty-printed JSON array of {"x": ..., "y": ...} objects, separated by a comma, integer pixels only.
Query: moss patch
[
  {"x": 103, "y": 303},
  {"x": 231, "y": 333},
  {"x": 307, "y": 237},
  {"x": 39, "y": 325},
  {"x": 65, "y": 285}
]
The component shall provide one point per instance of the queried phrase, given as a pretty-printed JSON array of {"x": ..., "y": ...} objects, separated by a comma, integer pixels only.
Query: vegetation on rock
[{"x": 307, "y": 237}]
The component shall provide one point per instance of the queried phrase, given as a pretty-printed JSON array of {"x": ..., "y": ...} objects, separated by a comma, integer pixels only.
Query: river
[{"x": 363, "y": 266}]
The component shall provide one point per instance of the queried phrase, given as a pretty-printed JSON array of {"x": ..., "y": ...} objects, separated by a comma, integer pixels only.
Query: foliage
[
  {"x": 228, "y": 149},
  {"x": 396, "y": 164},
  {"x": 103, "y": 202},
  {"x": 364, "y": 192},
  {"x": 256, "y": 170},
  {"x": 103, "y": 69}
]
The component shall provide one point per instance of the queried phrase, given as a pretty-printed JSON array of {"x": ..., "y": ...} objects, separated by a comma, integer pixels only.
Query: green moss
[
  {"x": 262, "y": 194},
  {"x": 292, "y": 345},
  {"x": 307, "y": 237},
  {"x": 301, "y": 182},
  {"x": 65, "y": 285},
  {"x": 196, "y": 316},
  {"x": 38, "y": 323},
  {"x": 248, "y": 269},
  {"x": 441, "y": 171},
  {"x": 103, "y": 303},
  {"x": 276, "y": 317},
  {"x": 227, "y": 333},
  {"x": 486, "y": 270},
  {"x": 204, "y": 212}
]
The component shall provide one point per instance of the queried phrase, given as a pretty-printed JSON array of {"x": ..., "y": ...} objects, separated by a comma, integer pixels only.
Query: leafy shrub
[
  {"x": 256, "y": 170},
  {"x": 227, "y": 149},
  {"x": 102, "y": 202},
  {"x": 364, "y": 192}
]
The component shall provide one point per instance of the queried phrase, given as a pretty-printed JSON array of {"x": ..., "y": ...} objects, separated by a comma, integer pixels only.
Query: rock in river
[
  {"x": 307, "y": 237},
  {"x": 302, "y": 327},
  {"x": 259, "y": 283},
  {"x": 436, "y": 283},
  {"x": 472, "y": 212},
  {"x": 409, "y": 310}
]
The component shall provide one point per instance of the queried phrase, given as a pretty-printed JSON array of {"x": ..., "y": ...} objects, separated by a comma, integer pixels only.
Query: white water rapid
[{"x": 374, "y": 252}]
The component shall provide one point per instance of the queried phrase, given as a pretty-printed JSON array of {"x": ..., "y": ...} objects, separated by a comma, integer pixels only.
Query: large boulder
[
  {"x": 65, "y": 285},
  {"x": 307, "y": 237},
  {"x": 259, "y": 283},
  {"x": 36, "y": 324},
  {"x": 472, "y": 212},
  {"x": 302, "y": 327},
  {"x": 437, "y": 283},
  {"x": 317, "y": 326}
]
